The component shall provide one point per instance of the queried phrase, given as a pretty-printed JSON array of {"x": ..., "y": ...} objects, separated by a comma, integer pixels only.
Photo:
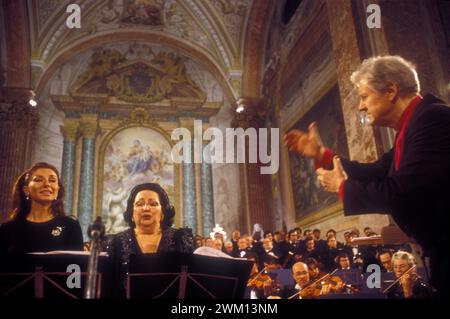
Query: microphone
[{"x": 97, "y": 229}]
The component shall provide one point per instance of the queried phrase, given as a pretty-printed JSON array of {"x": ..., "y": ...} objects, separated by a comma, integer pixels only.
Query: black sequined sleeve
[{"x": 184, "y": 240}]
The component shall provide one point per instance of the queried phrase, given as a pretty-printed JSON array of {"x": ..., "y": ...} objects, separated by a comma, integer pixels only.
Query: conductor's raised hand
[
  {"x": 331, "y": 179},
  {"x": 307, "y": 144}
]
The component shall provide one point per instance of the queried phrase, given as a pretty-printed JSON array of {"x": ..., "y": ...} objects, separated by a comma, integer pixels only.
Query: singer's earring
[{"x": 27, "y": 196}]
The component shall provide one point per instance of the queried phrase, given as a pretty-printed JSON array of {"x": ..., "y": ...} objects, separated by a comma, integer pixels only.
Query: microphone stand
[{"x": 96, "y": 231}]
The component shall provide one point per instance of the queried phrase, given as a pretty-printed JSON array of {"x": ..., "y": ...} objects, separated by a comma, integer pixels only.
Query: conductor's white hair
[{"x": 378, "y": 73}]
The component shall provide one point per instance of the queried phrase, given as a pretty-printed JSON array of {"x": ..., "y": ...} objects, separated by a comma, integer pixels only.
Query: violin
[
  {"x": 323, "y": 286},
  {"x": 265, "y": 282},
  {"x": 258, "y": 280},
  {"x": 408, "y": 274}
]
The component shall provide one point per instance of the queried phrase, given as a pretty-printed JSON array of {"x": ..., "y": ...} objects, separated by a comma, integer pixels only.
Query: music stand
[
  {"x": 186, "y": 276},
  {"x": 45, "y": 276}
]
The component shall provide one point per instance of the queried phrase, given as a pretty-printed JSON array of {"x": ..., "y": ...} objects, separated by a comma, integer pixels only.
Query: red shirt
[
  {"x": 401, "y": 128},
  {"x": 327, "y": 159}
]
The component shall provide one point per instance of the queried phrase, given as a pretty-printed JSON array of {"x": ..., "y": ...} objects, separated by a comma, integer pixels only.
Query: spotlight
[
  {"x": 240, "y": 106},
  {"x": 32, "y": 100}
]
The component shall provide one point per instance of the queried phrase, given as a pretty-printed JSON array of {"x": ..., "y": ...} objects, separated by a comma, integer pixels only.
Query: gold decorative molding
[
  {"x": 70, "y": 130},
  {"x": 148, "y": 36},
  {"x": 160, "y": 76},
  {"x": 89, "y": 126},
  {"x": 139, "y": 116}
]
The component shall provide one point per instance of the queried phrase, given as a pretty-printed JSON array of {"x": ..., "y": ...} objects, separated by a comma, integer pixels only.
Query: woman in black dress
[
  {"x": 150, "y": 217},
  {"x": 37, "y": 221}
]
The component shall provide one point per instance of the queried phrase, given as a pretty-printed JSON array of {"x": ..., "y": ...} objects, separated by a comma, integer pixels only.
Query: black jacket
[{"x": 418, "y": 194}]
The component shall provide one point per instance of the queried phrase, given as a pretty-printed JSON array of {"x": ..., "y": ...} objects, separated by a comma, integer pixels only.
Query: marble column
[
  {"x": 207, "y": 198},
  {"x": 88, "y": 131},
  {"x": 69, "y": 131},
  {"x": 189, "y": 194},
  {"x": 255, "y": 187},
  {"x": 17, "y": 122}
]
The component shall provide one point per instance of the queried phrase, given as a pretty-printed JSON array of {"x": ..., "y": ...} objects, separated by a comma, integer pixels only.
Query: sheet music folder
[
  {"x": 44, "y": 275},
  {"x": 186, "y": 276}
]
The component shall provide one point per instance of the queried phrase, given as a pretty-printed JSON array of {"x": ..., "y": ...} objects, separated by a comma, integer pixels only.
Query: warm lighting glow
[
  {"x": 32, "y": 100},
  {"x": 240, "y": 105}
]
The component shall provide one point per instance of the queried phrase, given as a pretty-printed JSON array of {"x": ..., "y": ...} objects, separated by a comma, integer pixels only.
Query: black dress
[
  {"x": 23, "y": 236},
  {"x": 125, "y": 243}
]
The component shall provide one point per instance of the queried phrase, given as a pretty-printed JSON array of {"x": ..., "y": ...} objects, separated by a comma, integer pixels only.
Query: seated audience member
[
  {"x": 280, "y": 246},
  {"x": 234, "y": 239},
  {"x": 268, "y": 235},
  {"x": 218, "y": 244},
  {"x": 267, "y": 254},
  {"x": 330, "y": 254},
  {"x": 385, "y": 257},
  {"x": 344, "y": 262},
  {"x": 228, "y": 247},
  {"x": 209, "y": 242},
  {"x": 320, "y": 243},
  {"x": 199, "y": 241},
  {"x": 243, "y": 248},
  {"x": 310, "y": 250}
]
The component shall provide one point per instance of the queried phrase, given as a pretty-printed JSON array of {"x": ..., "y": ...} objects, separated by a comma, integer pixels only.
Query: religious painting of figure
[
  {"x": 148, "y": 12},
  {"x": 133, "y": 156},
  {"x": 308, "y": 195}
]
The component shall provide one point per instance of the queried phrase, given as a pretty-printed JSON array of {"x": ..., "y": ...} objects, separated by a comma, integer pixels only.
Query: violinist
[
  {"x": 313, "y": 268},
  {"x": 260, "y": 285},
  {"x": 257, "y": 279},
  {"x": 306, "y": 288},
  {"x": 300, "y": 274},
  {"x": 410, "y": 285}
]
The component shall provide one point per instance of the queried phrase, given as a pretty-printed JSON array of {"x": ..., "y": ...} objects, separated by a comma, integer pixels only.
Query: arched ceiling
[{"x": 211, "y": 32}]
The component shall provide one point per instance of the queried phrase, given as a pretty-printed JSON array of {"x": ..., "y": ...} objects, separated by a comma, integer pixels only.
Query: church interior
[{"x": 98, "y": 90}]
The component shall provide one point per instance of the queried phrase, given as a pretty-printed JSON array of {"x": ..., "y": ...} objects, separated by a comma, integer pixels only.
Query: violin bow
[
  {"x": 314, "y": 283},
  {"x": 398, "y": 279}
]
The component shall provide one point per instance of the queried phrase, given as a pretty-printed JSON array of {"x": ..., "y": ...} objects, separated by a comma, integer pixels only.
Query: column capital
[
  {"x": 70, "y": 130},
  {"x": 250, "y": 112},
  {"x": 187, "y": 123},
  {"x": 89, "y": 126},
  {"x": 18, "y": 115}
]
